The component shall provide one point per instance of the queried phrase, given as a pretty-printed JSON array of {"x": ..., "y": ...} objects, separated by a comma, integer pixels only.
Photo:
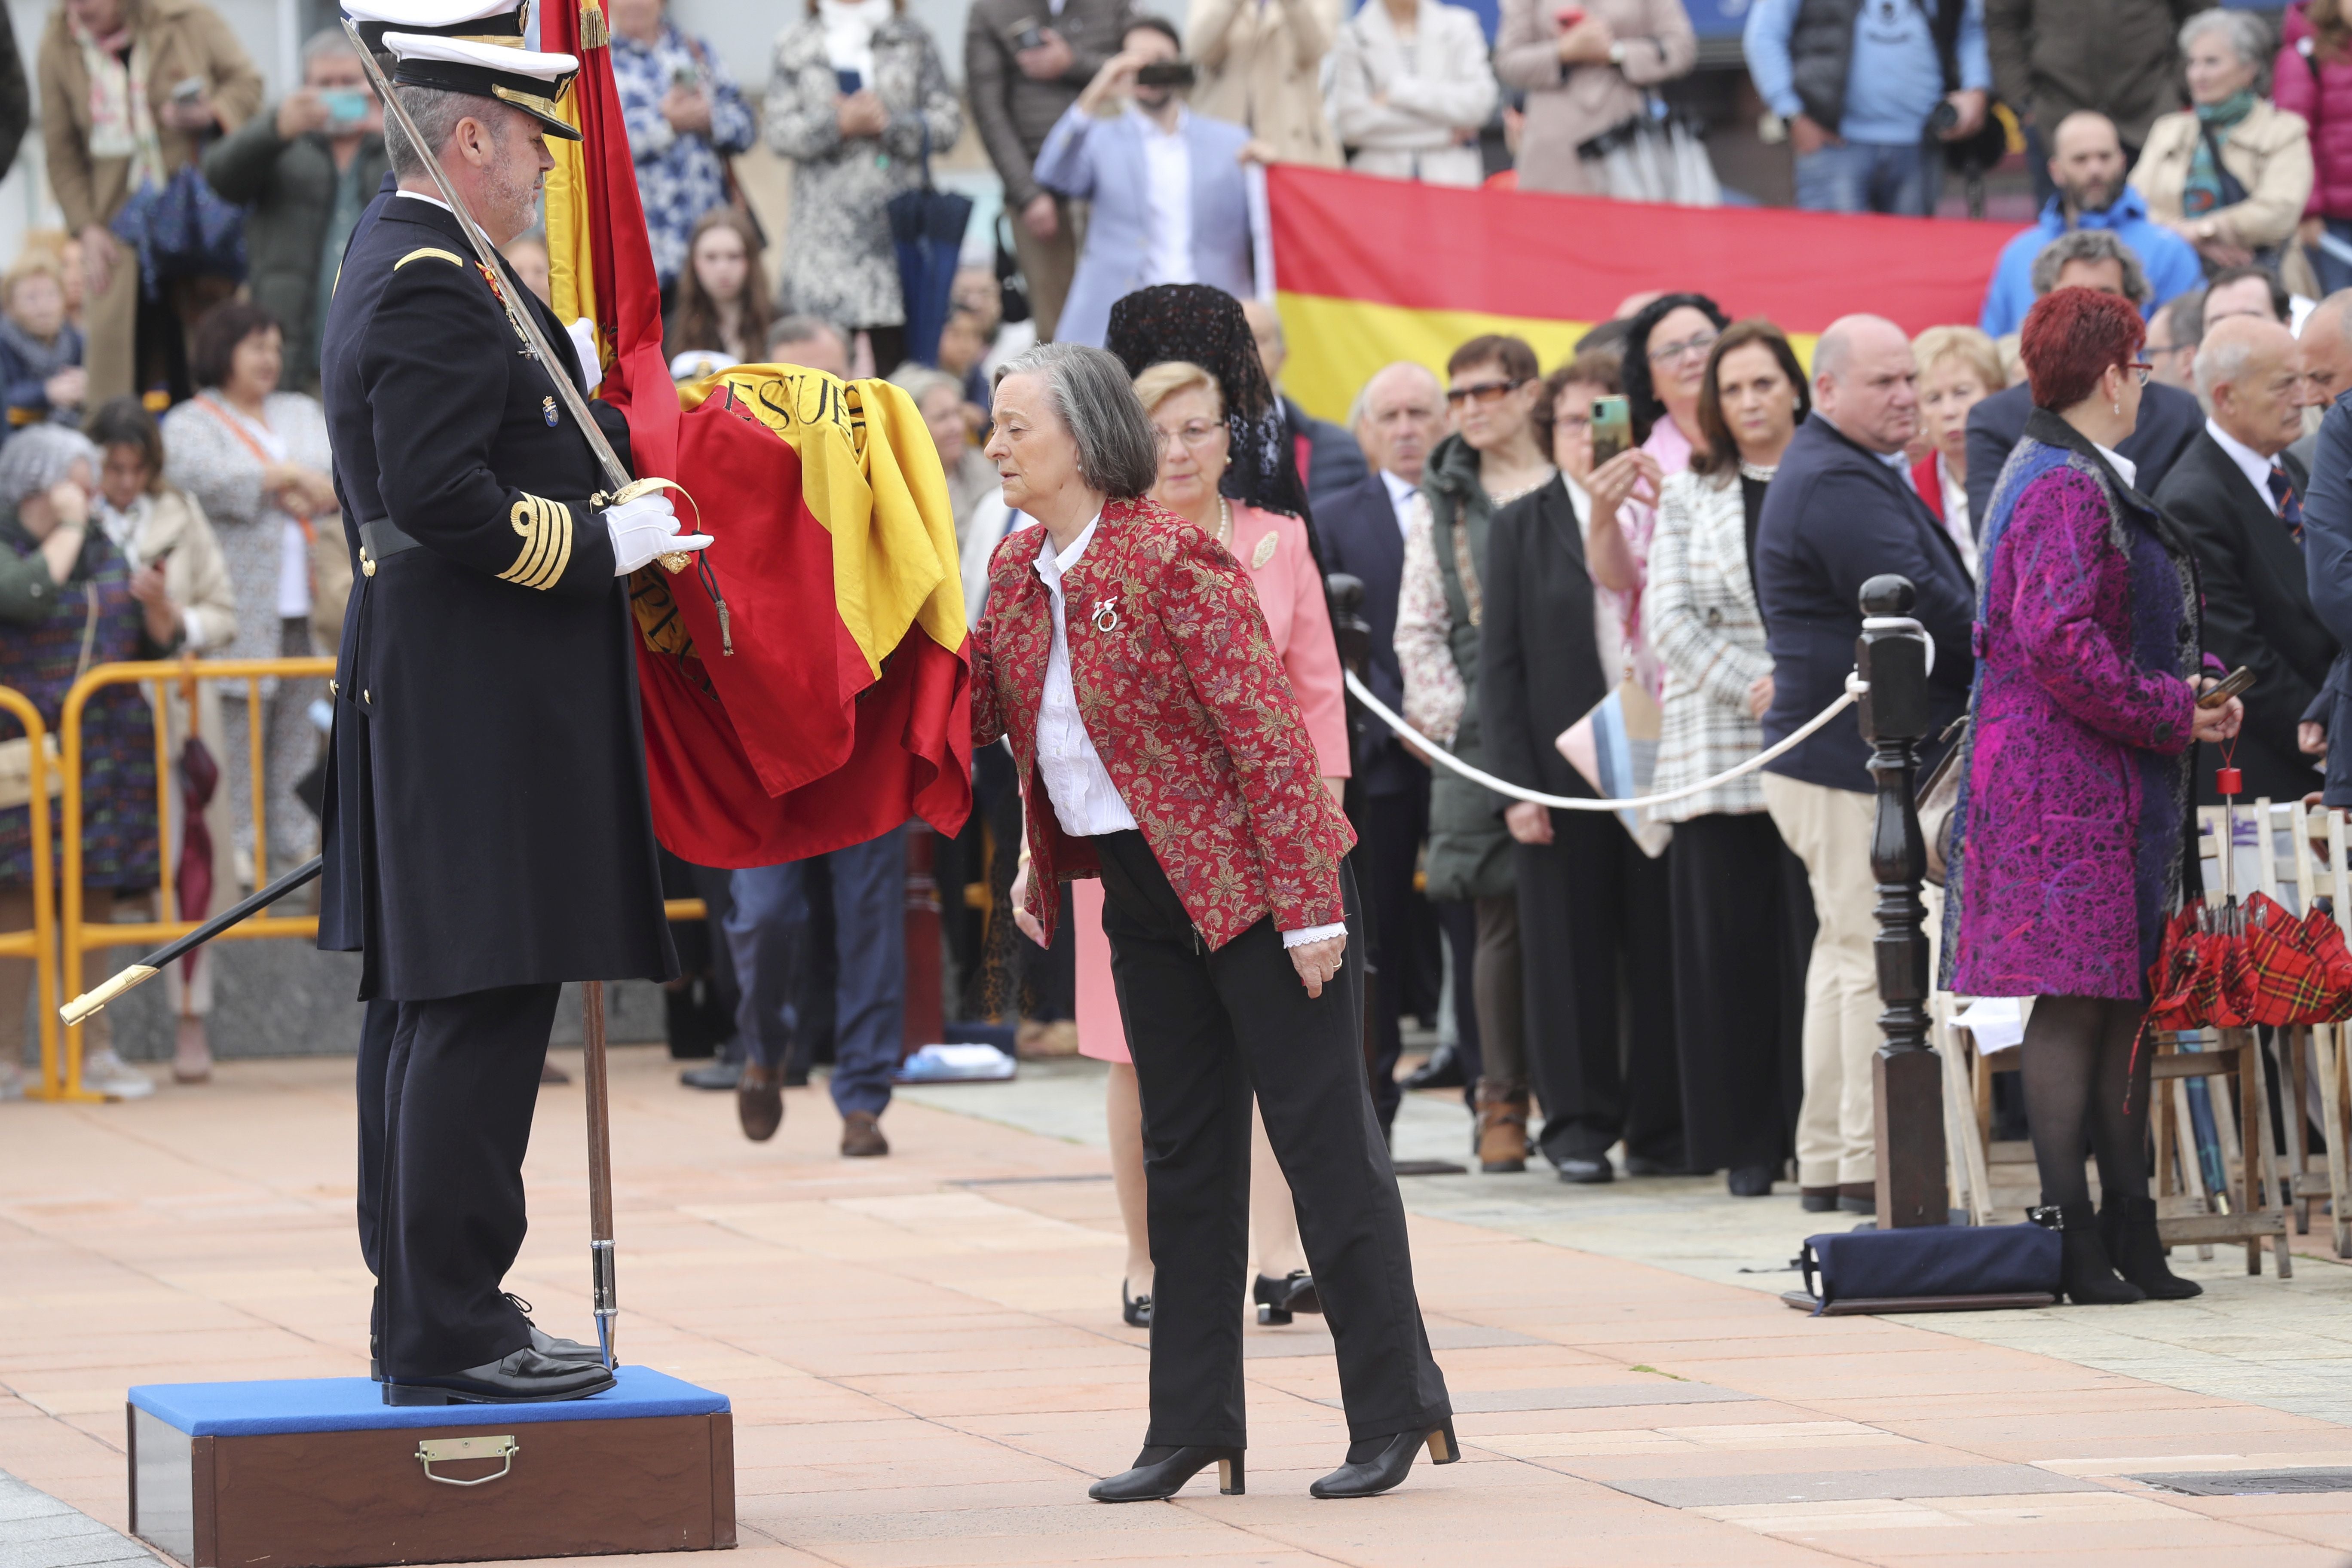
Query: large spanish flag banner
[
  {"x": 1370, "y": 270},
  {"x": 831, "y": 700}
]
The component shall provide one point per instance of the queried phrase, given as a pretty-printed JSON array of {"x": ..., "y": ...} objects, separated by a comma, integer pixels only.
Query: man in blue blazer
[
  {"x": 1842, "y": 509},
  {"x": 1173, "y": 200}
]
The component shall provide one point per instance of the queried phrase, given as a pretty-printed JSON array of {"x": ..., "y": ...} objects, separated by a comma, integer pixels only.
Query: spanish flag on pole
[
  {"x": 1369, "y": 270},
  {"x": 835, "y": 701}
]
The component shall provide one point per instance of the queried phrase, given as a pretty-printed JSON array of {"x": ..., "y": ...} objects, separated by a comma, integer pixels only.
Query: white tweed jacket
[{"x": 1703, "y": 620}]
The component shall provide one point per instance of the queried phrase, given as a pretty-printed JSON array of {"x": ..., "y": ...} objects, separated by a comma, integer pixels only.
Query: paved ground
[{"x": 927, "y": 1363}]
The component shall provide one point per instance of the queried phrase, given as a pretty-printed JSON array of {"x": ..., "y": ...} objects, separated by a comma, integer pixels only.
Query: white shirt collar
[
  {"x": 2124, "y": 466},
  {"x": 1052, "y": 562},
  {"x": 421, "y": 196},
  {"x": 2253, "y": 464},
  {"x": 1399, "y": 490}
]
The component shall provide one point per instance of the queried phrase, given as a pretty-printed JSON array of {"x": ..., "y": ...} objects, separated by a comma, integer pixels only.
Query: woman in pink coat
[
  {"x": 2313, "y": 77},
  {"x": 1187, "y": 408}
]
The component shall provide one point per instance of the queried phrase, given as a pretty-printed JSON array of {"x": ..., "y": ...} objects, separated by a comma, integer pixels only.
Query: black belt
[{"x": 380, "y": 541}]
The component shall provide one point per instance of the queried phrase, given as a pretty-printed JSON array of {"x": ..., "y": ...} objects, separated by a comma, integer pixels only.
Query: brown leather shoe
[
  {"x": 861, "y": 1135},
  {"x": 759, "y": 1103},
  {"x": 1502, "y": 1126}
]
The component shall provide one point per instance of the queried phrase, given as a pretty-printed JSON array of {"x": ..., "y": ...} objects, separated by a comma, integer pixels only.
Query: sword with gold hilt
[{"x": 623, "y": 488}]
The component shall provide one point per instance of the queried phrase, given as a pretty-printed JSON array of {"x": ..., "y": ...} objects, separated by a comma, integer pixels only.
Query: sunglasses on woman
[{"x": 1484, "y": 393}]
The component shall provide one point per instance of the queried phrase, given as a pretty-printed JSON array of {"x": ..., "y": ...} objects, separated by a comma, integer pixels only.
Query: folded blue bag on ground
[{"x": 1929, "y": 1260}]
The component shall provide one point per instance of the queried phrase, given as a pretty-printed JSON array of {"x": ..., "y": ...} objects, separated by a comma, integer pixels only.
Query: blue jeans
[
  {"x": 1904, "y": 178},
  {"x": 767, "y": 935}
]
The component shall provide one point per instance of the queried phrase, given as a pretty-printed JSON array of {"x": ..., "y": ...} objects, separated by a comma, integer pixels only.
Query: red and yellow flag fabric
[
  {"x": 844, "y": 707},
  {"x": 1370, "y": 270}
]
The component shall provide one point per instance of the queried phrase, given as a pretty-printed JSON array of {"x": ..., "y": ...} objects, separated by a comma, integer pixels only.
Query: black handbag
[{"x": 1930, "y": 1267}]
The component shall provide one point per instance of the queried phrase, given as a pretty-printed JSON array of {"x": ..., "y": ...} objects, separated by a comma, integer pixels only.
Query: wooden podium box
[{"x": 321, "y": 1473}]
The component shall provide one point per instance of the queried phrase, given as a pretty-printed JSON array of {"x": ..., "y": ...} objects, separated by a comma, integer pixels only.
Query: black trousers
[
  {"x": 1207, "y": 1028},
  {"x": 447, "y": 1089},
  {"x": 1392, "y": 828},
  {"x": 1599, "y": 979},
  {"x": 1740, "y": 1005}
]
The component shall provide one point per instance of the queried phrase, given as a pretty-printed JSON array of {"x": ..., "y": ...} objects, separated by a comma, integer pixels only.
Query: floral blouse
[{"x": 679, "y": 178}]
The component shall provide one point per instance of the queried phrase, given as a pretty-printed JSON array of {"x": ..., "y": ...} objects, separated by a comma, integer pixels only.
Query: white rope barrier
[{"x": 1855, "y": 687}]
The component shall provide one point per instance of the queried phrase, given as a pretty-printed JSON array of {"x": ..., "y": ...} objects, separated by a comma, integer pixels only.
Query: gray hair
[
  {"x": 918, "y": 381},
  {"x": 37, "y": 456},
  {"x": 1118, "y": 452},
  {"x": 328, "y": 42},
  {"x": 1362, "y": 405},
  {"x": 2186, "y": 316},
  {"x": 790, "y": 330},
  {"x": 2249, "y": 36},
  {"x": 2090, "y": 245},
  {"x": 2221, "y": 358},
  {"x": 436, "y": 113}
]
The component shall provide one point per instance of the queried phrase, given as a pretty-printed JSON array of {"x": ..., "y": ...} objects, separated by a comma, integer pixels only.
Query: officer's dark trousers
[
  {"x": 1392, "y": 828},
  {"x": 1206, "y": 1028},
  {"x": 447, "y": 1088}
]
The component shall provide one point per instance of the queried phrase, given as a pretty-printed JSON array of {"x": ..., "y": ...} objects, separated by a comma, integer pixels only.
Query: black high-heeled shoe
[
  {"x": 1277, "y": 1299},
  {"x": 1160, "y": 1472},
  {"x": 1136, "y": 1309},
  {"x": 1376, "y": 1464}
]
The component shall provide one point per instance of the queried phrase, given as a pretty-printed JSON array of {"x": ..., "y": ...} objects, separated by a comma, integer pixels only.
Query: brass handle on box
[{"x": 434, "y": 1451}]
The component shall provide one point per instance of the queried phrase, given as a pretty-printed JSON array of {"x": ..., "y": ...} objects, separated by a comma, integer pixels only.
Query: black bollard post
[{"x": 1906, "y": 1075}]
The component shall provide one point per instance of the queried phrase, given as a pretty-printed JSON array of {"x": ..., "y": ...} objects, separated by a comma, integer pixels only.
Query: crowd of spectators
[{"x": 1696, "y": 988}]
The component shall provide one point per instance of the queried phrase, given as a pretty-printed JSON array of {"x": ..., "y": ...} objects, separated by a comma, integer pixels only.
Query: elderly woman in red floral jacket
[{"x": 1161, "y": 748}]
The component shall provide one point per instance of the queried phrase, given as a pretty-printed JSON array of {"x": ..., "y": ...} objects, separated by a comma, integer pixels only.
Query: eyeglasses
[
  {"x": 1572, "y": 422},
  {"x": 1192, "y": 437},
  {"x": 1695, "y": 345},
  {"x": 1485, "y": 392},
  {"x": 2141, "y": 369}
]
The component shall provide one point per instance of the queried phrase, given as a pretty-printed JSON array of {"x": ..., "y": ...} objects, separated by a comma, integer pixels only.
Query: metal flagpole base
[{"x": 608, "y": 1299}]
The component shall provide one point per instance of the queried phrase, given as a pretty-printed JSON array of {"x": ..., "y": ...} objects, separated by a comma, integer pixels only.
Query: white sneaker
[{"x": 109, "y": 1075}]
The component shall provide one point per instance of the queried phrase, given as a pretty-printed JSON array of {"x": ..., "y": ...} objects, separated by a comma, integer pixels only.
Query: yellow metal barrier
[
  {"x": 40, "y": 944},
  {"x": 74, "y": 937}
]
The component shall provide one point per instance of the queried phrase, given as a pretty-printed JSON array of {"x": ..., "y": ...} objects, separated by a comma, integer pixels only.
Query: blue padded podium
[{"x": 321, "y": 1473}]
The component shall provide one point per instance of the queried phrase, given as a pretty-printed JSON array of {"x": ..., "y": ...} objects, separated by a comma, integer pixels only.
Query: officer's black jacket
[{"x": 487, "y": 821}]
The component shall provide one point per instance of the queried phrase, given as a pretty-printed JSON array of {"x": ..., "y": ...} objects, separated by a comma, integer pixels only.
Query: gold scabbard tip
[{"x": 90, "y": 1003}]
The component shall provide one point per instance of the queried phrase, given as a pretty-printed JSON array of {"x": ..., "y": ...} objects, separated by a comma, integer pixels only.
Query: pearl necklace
[
  {"x": 1224, "y": 523},
  {"x": 1759, "y": 472}
]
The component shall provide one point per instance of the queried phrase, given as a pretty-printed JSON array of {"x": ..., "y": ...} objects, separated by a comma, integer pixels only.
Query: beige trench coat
[
  {"x": 1568, "y": 105},
  {"x": 184, "y": 39},
  {"x": 2270, "y": 152},
  {"x": 195, "y": 574},
  {"x": 1261, "y": 66}
]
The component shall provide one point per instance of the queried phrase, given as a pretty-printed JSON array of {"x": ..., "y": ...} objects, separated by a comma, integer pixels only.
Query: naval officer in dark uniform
[{"x": 487, "y": 835}]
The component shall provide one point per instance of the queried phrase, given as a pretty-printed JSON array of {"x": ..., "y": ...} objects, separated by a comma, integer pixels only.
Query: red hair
[{"x": 2071, "y": 337}]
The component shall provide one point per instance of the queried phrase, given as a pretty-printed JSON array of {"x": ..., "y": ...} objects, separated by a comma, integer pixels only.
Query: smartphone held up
[{"x": 1612, "y": 428}]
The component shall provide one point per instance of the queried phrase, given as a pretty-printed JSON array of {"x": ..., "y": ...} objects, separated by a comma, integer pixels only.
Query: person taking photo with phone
[
  {"x": 1203, "y": 180},
  {"x": 304, "y": 170},
  {"x": 685, "y": 118}
]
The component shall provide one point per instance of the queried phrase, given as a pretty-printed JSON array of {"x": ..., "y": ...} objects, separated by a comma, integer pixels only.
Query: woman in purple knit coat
[{"x": 2075, "y": 787}]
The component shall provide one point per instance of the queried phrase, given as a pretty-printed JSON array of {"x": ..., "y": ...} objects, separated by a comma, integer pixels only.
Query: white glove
[
  {"x": 645, "y": 528},
  {"x": 583, "y": 342}
]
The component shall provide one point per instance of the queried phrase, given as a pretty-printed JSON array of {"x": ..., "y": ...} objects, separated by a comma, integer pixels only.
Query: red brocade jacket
[{"x": 1186, "y": 703}]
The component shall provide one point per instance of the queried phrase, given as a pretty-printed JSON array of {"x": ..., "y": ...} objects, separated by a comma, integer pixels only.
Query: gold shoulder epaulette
[{"x": 432, "y": 250}]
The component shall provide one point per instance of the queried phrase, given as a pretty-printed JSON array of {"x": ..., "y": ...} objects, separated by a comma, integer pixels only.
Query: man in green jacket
[{"x": 304, "y": 171}]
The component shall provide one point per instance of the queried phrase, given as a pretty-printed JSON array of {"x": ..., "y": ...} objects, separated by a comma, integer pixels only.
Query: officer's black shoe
[
  {"x": 1161, "y": 1473},
  {"x": 721, "y": 1076},
  {"x": 1376, "y": 1464},
  {"x": 526, "y": 1378},
  {"x": 547, "y": 1344}
]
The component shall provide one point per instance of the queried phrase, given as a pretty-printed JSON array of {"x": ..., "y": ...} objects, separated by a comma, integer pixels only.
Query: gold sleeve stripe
[
  {"x": 433, "y": 251},
  {"x": 545, "y": 527}
]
